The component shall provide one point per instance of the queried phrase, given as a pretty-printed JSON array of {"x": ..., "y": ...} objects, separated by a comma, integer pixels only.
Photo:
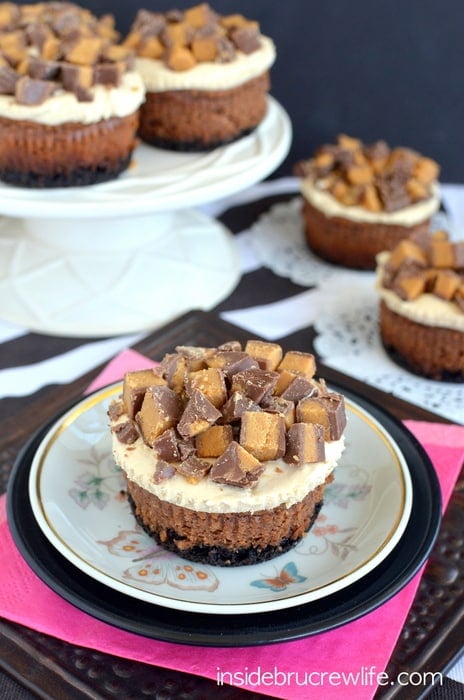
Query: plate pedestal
[
  {"x": 131, "y": 254},
  {"x": 116, "y": 275}
]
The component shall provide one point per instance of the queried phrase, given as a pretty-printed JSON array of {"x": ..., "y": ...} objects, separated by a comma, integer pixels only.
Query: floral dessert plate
[{"x": 77, "y": 497}]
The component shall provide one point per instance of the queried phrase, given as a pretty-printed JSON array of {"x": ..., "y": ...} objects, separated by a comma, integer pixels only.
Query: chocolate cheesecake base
[
  {"x": 350, "y": 243},
  {"x": 67, "y": 155},
  {"x": 199, "y": 120},
  {"x": 436, "y": 353},
  {"x": 224, "y": 539}
]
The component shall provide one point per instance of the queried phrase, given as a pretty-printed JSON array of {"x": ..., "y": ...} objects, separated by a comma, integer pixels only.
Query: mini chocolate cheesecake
[
  {"x": 206, "y": 76},
  {"x": 360, "y": 199},
  {"x": 421, "y": 289},
  {"x": 69, "y": 97},
  {"x": 227, "y": 451}
]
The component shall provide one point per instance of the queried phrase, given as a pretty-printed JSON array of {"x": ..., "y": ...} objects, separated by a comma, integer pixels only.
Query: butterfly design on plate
[
  {"x": 288, "y": 575},
  {"x": 153, "y": 566}
]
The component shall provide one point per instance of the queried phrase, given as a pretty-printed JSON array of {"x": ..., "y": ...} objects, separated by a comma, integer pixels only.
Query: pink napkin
[{"x": 345, "y": 662}]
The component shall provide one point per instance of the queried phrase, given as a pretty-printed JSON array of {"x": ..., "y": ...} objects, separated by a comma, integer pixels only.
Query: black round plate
[{"x": 182, "y": 627}]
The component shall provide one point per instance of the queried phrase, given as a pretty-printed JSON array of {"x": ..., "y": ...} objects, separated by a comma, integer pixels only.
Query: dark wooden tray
[{"x": 430, "y": 641}]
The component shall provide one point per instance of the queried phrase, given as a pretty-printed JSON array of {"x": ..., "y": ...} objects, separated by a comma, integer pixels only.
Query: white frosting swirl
[
  {"x": 279, "y": 484},
  {"x": 158, "y": 77},
  {"x": 64, "y": 107},
  {"x": 321, "y": 199},
  {"x": 427, "y": 309}
]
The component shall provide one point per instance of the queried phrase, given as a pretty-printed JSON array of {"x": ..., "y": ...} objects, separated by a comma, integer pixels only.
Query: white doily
[{"x": 347, "y": 314}]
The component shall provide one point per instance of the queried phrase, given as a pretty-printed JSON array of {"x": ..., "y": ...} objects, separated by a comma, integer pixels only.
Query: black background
[{"x": 390, "y": 69}]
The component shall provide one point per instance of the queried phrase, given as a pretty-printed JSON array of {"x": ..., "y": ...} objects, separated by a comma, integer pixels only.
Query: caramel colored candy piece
[
  {"x": 285, "y": 379},
  {"x": 328, "y": 411},
  {"x": 235, "y": 20},
  {"x": 210, "y": 382},
  {"x": 213, "y": 441},
  {"x": 426, "y": 170},
  {"x": 177, "y": 34},
  {"x": 205, "y": 49},
  {"x": 407, "y": 252},
  {"x": 446, "y": 284},
  {"x": 348, "y": 142},
  {"x": 180, "y": 58},
  {"x": 175, "y": 369},
  {"x": 458, "y": 255},
  {"x": 410, "y": 287},
  {"x": 370, "y": 199},
  {"x": 263, "y": 435},
  {"x": 85, "y": 51},
  {"x": 305, "y": 444},
  {"x": 135, "y": 385},
  {"x": 117, "y": 53},
  {"x": 417, "y": 190},
  {"x": 13, "y": 47},
  {"x": 133, "y": 40},
  {"x": 299, "y": 362},
  {"x": 359, "y": 174},
  {"x": 267, "y": 355},
  {"x": 198, "y": 415},
  {"x": 9, "y": 14},
  {"x": 441, "y": 253},
  {"x": 161, "y": 409},
  {"x": 236, "y": 467},
  {"x": 151, "y": 48},
  {"x": 51, "y": 49},
  {"x": 199, "y": 15}
]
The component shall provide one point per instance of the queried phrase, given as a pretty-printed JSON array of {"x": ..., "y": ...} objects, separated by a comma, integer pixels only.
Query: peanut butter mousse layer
[
  {"x": 421, "y": 289},
  {"x": 359, "y": 199},
  {"x": 69, "y": 96},
  {"x": 206, "y": 76},
  {"x": 227, "y": 451}
]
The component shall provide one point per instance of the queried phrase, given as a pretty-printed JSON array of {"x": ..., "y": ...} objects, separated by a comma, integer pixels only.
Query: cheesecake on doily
[
  {"x": 421, "y": 288},
  {"x": 227, "y": 451},
  {"x": 360, "y": 199},
  {"x": 206, "y": 76},
  {"x": 69, "y": 96}
]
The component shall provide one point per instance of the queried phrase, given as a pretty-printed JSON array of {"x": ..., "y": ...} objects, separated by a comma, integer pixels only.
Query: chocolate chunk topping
[
  {"x": 8, "y": 80},
  {"x": 163, "y": 472},
  {"x": 255, "y": 383},
  {"x": 198, "y": 415},
  {"x": 375, "y": 176},
  {"x": 305, "y": 443},
  {"x": 236, "y": 406},
  {"x": 166, "y": 446},
  {"x": 41, "y": 41},
  {"x": 193, "y": 468},
  {"x": 236, "y": 467},
  {"x": 430, "y": 264},
  {"x": 126, "y": 432},
  {"x": 33, "y": 92},
  {"x": 214, "y": 409},
  {"x": 196, "y": 35}
]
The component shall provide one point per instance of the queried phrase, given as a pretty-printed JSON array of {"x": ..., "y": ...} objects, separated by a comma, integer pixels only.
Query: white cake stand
[{"x": 131, "y": 254}]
